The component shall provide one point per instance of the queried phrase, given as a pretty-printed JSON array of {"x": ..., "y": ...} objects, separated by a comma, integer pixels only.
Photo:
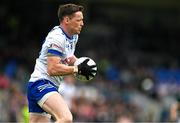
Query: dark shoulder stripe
[{"x": 54, "y": 52}]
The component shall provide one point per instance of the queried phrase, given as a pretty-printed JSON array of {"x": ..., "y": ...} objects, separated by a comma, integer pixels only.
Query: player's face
[{"x": 76, "y": 23}]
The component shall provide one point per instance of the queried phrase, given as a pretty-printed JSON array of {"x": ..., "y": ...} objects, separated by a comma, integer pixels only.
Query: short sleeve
[{"x": 56, "y": 46}]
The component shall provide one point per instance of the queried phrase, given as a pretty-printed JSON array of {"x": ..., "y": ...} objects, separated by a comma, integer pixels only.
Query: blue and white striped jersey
[{"x": 57, "y": 43}]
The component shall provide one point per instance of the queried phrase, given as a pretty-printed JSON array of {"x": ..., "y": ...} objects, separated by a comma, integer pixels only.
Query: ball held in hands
[{"x": 87, "y": 69}]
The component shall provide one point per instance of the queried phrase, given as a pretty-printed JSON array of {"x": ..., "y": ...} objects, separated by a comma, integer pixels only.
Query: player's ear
[{"x": 66, "y": 19}]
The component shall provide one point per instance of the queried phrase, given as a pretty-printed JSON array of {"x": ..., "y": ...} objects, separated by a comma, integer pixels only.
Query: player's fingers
[
  {"x": 87, "y": 77},
  {"x": 93, "y": 71},
  {"x": 92, "y": 75},
  {"x": 92, "y": 66},
  {"x": 85, "y": 61}
]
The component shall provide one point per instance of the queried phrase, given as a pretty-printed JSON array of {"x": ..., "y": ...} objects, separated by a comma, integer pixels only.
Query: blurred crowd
[
  {"x": 116, "y": 94},
  {"x": 138, "y": 76}
]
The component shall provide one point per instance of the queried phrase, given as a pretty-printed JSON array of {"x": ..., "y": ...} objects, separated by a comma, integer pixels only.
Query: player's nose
[{"x": 82, "y": 23}]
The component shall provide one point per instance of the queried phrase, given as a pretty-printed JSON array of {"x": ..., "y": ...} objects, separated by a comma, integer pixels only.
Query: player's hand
[
  {"x": 86, "y": 70},
  {"x": 70, "y": 60}
]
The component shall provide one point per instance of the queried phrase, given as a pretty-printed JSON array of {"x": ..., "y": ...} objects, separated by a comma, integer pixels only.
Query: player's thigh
[
  {"x": 57, "y": 106},
  {"x": 38, "y": 118}
]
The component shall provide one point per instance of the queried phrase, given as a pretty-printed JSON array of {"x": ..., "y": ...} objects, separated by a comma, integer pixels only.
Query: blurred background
[{"x": 134, "y": 42}]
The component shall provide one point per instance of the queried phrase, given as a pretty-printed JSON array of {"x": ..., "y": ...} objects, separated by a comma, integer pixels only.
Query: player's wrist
[{"x": 75, "y": 69}]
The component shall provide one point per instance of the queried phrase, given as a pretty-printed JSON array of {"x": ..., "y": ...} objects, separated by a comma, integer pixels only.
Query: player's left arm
[{"x": 70, "y": 60}]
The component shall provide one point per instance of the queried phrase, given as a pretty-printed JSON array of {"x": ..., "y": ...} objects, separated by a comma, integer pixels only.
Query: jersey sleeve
[{"x": 56, "y": 46}]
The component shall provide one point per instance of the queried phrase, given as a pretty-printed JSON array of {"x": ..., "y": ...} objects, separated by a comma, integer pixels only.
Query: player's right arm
[{"x": 55, "y": 67}]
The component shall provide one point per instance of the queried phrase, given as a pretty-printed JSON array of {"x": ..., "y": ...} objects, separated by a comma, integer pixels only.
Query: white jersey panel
[{"x": 56, "y": 43}]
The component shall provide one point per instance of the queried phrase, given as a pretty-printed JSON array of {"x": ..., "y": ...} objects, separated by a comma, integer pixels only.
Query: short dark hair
[{"x": 68, "y": 10}]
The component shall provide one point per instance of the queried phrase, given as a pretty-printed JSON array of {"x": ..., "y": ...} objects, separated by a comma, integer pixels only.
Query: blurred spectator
[
  {"x": 24, "y": 115},
  {"x": 4, "y": 106},
  {"x": 112, "y": 74},
  {"x": 10, "y": 69},
  {"x": 104, "y": 113},
  {"x": 16, "y": 102},
  {"x": 86, "y": 111},
  {"x": 4, "y": 82}
]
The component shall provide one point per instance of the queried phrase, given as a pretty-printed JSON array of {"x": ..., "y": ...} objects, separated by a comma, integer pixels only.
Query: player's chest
[{"x": 69, "y": 46}]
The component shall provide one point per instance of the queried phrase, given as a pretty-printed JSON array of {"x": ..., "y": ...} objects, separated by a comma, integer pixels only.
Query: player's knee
[
  {"x": 68, "y": 119},
  {"x": 65, "y": 119},
  {"x": 35, "y": 119}
]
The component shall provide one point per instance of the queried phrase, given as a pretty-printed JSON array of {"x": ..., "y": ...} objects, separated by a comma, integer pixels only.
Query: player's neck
[{"x": 65, "y": 30}]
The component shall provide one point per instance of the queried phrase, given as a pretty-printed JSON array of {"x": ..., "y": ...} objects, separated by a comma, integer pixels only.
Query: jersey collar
[{"x": 66, "y": 33}]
